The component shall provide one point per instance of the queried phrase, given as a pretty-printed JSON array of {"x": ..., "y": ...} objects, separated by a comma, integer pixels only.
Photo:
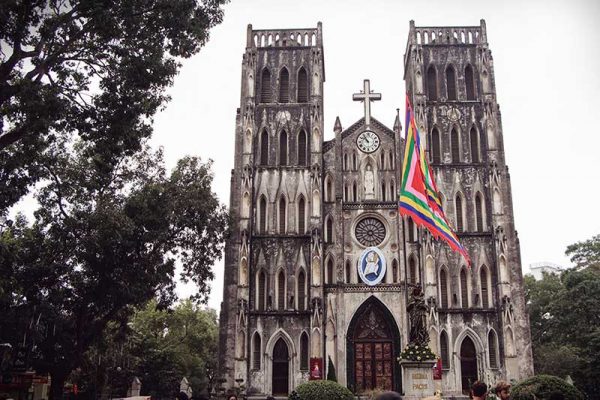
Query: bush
[
  {"x": 542, "y": 387},
  {"x": 322, "y": 390}
]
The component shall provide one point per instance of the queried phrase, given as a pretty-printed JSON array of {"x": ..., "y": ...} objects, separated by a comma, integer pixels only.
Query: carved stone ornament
[{"x": 453, "y": 114}]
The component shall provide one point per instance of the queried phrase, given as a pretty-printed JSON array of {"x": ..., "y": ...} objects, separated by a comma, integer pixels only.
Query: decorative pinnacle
[
  {"x": 397, "y": 124},
  {"x": 337, "y": 127}
]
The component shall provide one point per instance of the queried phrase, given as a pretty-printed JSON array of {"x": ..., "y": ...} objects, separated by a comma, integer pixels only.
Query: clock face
[{"x": 367, "y": 142}]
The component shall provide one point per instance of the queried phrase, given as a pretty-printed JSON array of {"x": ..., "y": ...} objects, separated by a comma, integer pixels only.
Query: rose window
[{"x": 370, "y": 232}]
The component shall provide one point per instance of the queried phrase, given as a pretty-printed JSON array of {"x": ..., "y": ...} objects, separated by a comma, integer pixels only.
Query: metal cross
[{"x": 367, "y": 97}]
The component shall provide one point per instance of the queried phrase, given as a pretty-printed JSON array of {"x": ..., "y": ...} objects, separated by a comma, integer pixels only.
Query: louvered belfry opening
[
  {"x": 436, "y": 156},
  {"x": 469, "y": 83},
  {"x": 444, "y": 288},
  {"x": 265, "y": 87},
  {"x": 474, "y": 137},
  {"x": 284, "y": 86},
  {"x": 455, "y": 143},
  {"x": 302, "y": 86},
  {"x": 302, "y": 148},
  {"x": 301, "y": 291},
  {"x": 431, "y": 84},
  {"x": 451, "y": 83}
]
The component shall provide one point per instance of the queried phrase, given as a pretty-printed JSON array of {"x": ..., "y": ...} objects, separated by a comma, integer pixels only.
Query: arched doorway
[
  {"x": 373, "y": 344},
  {"x": 468, "y": 364},
  {"x": 281, "y": 368}
]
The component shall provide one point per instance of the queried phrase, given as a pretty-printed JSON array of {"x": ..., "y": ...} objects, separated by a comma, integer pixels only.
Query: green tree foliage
[
  {"x": 96, "y": 69},
  {"x": 545, "y": 387},
  {"x": 101, "y": 245},
  {"x": 565, "y": 323},
  {"x": 318, "y": 390}
]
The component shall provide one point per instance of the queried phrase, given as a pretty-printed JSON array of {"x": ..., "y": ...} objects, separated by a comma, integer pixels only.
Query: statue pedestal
[{"x": 417, "y": 379}]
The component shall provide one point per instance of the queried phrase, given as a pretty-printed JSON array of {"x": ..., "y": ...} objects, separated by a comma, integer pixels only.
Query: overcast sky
[{"x": 547, "y": 66}]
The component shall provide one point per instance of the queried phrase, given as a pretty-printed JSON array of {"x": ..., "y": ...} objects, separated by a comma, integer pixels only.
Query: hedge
[
  {"x": 321, "y": 390},
  {"x": 545, "y": 387}
]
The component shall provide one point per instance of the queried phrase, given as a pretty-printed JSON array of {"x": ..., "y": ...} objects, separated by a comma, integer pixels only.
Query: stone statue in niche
[
  {"x": 417, "y": 311},
  {"x": 369, "y": 183}
]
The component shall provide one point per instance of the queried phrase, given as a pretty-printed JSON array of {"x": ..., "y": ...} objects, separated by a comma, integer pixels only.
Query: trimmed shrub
[
  {"x": 321, "y": 390},
  {"x": 545, "y": 387}
]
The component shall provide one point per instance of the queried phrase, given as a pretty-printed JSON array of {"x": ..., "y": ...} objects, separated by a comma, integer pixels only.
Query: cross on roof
[{"x": 367, "y": 96}]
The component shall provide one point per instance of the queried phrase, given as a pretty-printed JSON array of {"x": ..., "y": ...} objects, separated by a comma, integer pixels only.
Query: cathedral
[{"x": 319, "y": 264}]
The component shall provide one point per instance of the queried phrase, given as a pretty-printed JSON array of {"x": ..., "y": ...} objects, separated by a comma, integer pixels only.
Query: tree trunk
[{"x": 58, "y": 378}]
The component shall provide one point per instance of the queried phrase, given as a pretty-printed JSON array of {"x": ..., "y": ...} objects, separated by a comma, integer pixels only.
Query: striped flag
[{"x": 419, "y": 196}]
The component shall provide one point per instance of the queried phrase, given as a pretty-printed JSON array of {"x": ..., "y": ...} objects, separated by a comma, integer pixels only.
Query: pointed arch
[
  {"x": 383, "y": 191},
  {"x": 256, "y": 351},
  {"x": 265, "y": 86},
  {"x": 301, "y": 290},
  {"x": 486, "y": 286},
  {"x": 354, "y": 192},
  {"x": 395, "y": 271},
  {"x": 509, "y": 342},
  {"x": 496, "y": 201},
  {"x": 411, "y": 229},
  {"x": 455, "y": 145},
  {"x": 329, "y": 229},
  {"x": 330, "y": 271},
  {"x": 413, "y": 270},
  {"x": 475, "y": 146},
  {"x": 464, "y": 288},
  {"x": 262, "y": 214},
  {"x": 504, "y": 273},
  {"x": 304, "y": 351},
  {"x": 468, "y": 362},
  {"x": 301, "y": 215},
  {"x": 281, "y": 290},
  {"x": 460, "y": 213},
  {"x": 393, "y": 195},
  {"x": 469, "y": 82},
  {"x": 493, "y": 349},
  {"x": 282, "y": 215},
  {"x": 382, "y": 160},
  {"x": 444, "y": 295},
  {"x": 302, "y": 86},
  {"x": 328, "y": 189},
  {"x": 444, "y": 350},
  {"x": 431, "y": 83},
  {"x": 345, "y": 162},
  {"x": 346, "y": 193},
  {"x": 436, "y": 154},
  {"x": 354, "y": 164},
  {"x": 264, "y": 147},
  {"x": 284, "y": 86},
  {"x": 302, "y": 148},
  {"x": 479, "y": 212},
  {"x": 261, "y": 290},
  {"x": 450, "y": 82},
  {"x": 392, "y": 161},
  {"x": 283, "y": 148}
]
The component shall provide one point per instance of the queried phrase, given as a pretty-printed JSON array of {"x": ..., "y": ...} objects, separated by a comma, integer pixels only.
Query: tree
[
  {"x": 96, "y": 69},
  {"x": 565, "y": 324},
  {"x": 103, "y": 243}
]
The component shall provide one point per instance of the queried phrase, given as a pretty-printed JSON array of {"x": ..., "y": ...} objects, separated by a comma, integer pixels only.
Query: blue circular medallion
[{"x": 371, "y": 266}]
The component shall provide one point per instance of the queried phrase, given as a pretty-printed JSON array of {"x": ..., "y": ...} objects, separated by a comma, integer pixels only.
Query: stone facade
[{"x": 307, "y": 214}]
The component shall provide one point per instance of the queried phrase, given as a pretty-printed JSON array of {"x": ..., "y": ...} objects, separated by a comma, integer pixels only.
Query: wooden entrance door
[
  {"x": 281, "y": 368},
  {"x": 468, "y": 364},
  {"x": 373, "y": 352}
]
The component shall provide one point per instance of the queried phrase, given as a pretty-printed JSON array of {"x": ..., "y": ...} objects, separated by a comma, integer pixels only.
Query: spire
[
  {"x": 397, "y": 124},
  {"x": 337, "y": 127}
]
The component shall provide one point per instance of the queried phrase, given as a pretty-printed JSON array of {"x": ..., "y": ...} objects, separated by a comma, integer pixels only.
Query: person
[
  {"x": 502, "y": 390},
  {"x": 232, "y": 397},
  {"x": 388, "y": 396},
  {"x": 270, "y": 398},
  {"x": 479, "y": 390}
]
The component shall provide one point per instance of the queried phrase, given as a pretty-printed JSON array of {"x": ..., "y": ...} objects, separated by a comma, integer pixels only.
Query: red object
[
  {"x": 75, "y": 390},
  {"x": 316, "y": 369},
  {"x": 437, "y": 370}
]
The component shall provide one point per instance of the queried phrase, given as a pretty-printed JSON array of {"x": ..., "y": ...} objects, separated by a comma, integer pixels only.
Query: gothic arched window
[
  {"x": 301, "y": 216},
  {"x": 412, "y": 267},
  {"x": 284, "y": 86},
  {"x": 431, "y": 83},
  {"x": 483, "y": 277},
  {"x": 262, "y": 215},
  {"x": 304, "y": 351},
  {"x": 264, "y": 148},
  {"x": 459, "y": 214},
  {"x": 348, "y": 272},
  {"x": 329, "y": 230},
  {"x": 450, "y": 83},
  {"x": 330, "y": 271},
  {"x": 436, "y": 154},
  {"x": 261, "y": 293},
  {"x": 301, "y": 291},
  {"x": 411, "y": 230},
  {"x": 444, "y": 288},
  {"x": 383, "y": 196},
  {"x": 282, "y": 215},
  {"x": 445, "y": 355},
  {"x": 395, "y": 271},
  {"x": 302, "y": 148},
  {"x": 265, "y": 86},
  {"x": 281, "y": 291},
  {"x": 328, "y": 191},
  {"x": 354, "y": 192},
  {"x": 455, "y": 145},
  {"x": 469, "y": 83},
  {"x": 283, "y": 148},
  {"x": 492, "y": 349},
  {"x": 464, "y": 290},
  {"x": 256, "y": 351},
  {"x": 302, "y": 86},
  {"x": 345, "y": 162},
  {"x": 475, "y": 146},
  {"x": 479, "y": 212}
]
